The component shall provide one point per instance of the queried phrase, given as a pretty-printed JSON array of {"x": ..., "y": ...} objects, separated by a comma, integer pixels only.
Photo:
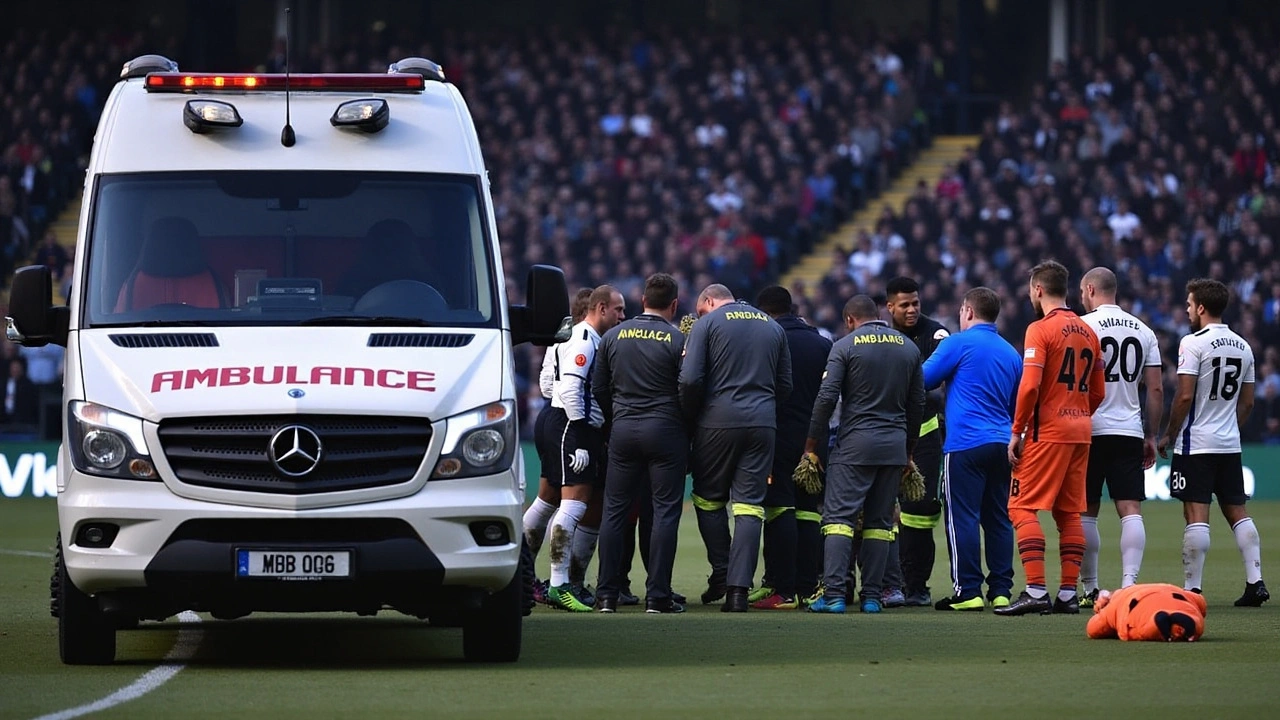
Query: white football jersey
[
  {"x": 1128, "y": 348},
  {"x": 575, "y": 361},
  {"x": 1222, "y": 362},
  {"x": 547, "y": 376}
]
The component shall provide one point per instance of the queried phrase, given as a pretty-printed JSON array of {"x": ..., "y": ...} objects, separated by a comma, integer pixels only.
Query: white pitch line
[
  {"x": 183, "y": 649},
  {"x": 26, "y": 553}
]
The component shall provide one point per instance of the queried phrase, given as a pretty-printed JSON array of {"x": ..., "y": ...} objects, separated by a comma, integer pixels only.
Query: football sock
[
  {"x": 581, "y": 552},
  {"x": 1089, "y": 564},
  {"x": 1195, "y": 545},
  {"x": 1250, "y": 549},
  {"x": 1133, "y": 540},
  {"x": 1070, "y": 547},
  {"x": 563, "y": 527},
  {"x": 536, "y": 519},
  {"x": 1030, "y": 547}
]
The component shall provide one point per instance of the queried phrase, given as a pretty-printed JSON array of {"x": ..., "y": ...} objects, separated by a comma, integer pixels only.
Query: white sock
[
  {"x": 584, "y": 548},
  {"x": 1195, "y": 545},
  {"x": 563, "y": 527},
  {"x": 1133, "y": 540},
  {"x": 536, "y": 519},
  {"x": 1250, "y": 549},
  {"x": 1065, "y": 594},
  {"x": 1037, "y": 591},
  {"x": 1089, "y": 563}
]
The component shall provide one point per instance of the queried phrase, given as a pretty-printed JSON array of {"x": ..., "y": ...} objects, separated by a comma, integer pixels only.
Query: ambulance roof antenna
[{"x": 287, "y": 138}]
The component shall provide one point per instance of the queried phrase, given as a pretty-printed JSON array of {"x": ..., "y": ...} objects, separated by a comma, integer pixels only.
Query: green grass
[{"x": 904, "y": 663}]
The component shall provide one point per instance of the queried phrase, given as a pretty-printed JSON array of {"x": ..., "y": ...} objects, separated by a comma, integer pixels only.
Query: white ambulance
[{"x": 289, "y": 381}]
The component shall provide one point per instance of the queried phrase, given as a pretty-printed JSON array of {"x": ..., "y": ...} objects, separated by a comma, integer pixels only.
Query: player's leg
[
  {"x": 622, "y": 481},
  {"x": 538, "y": 516},
  {"x": 1126, "y": 482},
  {"x": 962, "y": 492},
  {"x": 713, "y": 462},
  {"x": 1229, "y": 487},
  {"x": 1094, "y": 479},
  {"x": 577, "y": 489},
  {"x": 1189, "y": 483},
  {"x": 777, "y": 589},
  {"x": 750, "y": 484},
  {"x": 846, "y": 489},
  {"x": 1033, "y": 488},
  {"x": 877, "y": 532},
  {"x": 997, "y": 529},
  {"x": 808, "y": 543},
  {"x": 916, "y": 546},
  {"x": 1074, "y": 459}
]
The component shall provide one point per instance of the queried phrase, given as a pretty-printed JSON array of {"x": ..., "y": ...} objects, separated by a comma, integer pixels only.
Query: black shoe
[
  {"x": 606, "y": 604},
  {"x": 1197, "y": 591},
  {"x": 1027, "y": 605},
  {"x": 679, "y": 599},
  {"x": 1070, "y": 607},
  {"x": 662, "y": 606},
  {"x": 715, "y": 590},
  {"x": 626, "y": 598},
  {"x": 735, "y": 600},
  {"x": 1254, "y": 595}
]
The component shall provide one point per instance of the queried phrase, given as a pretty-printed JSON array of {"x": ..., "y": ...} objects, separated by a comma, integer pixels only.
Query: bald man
[{"x": 1124, "y": 443}]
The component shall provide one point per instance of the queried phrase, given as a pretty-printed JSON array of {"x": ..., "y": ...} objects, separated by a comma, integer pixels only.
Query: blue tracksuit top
[{"x": 982, "y": 371}]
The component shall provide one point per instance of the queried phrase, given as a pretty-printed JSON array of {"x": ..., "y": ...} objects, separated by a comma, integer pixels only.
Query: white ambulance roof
[{"x": 430, "y": 131}]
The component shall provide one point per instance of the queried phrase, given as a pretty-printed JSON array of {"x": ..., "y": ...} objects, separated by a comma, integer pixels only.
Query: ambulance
[{"x": 289, "y": 379}]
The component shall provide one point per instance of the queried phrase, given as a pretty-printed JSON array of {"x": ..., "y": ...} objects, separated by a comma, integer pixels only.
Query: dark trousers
[
  {"x": 850, "y": 489},
  {"x": 641, "y": 518},
  {"x": 731, "y": 469},
  {"x": 976, "y": 490},
  {"x": 916, "y": 546},
  {"x": 650, "y": 454}
]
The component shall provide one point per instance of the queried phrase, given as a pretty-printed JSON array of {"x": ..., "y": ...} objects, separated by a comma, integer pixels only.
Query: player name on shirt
[
  {"x": 1228, "y": 342},
  {"x": 1117, "y": 322}
]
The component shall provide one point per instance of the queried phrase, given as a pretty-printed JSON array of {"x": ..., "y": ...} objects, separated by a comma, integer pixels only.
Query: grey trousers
[
  {"x": 731, "y": 469},
  {"x": 873, "y": 491}
]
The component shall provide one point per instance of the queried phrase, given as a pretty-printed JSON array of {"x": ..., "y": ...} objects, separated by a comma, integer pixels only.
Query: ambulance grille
[
  {"x": 356, "y": 452},
  {"x": 164, "y": 340},
  {"x": 431, "y": 340}
]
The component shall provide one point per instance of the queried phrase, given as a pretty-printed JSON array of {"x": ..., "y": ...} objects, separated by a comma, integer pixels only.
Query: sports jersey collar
[
  {"x": 588, "y": 327},
  {"x": 652, "y": 317},
  {"x": 874, "y": 322},
  {"x": 988, "y": 326},
  {"x": 1104, "y": 306}
]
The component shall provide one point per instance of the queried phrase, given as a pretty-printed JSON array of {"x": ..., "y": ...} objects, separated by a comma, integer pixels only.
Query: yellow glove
[
  {"x": 808, "y": 474},
  {"x": 912, "y": 483},
  {"x": 686, "y": 323}
]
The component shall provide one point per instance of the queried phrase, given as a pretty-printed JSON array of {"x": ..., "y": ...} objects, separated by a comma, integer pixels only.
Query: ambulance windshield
[{"x": 289, "y": 248}]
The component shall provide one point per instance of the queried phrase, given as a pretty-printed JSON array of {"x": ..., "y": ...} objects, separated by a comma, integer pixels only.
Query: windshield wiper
[{"x": 391, "y": 320}]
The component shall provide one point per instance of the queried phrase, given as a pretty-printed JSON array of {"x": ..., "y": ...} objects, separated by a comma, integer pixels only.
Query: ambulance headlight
[
  {"x": 478, "y": 442},
  {"x": 369, "y": 115},
  {"x": 107, "y": 442},
  {"x": 202, "y": 116}
]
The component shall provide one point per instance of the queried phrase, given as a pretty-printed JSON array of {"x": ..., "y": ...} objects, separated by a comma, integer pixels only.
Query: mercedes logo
[{"x": 295, "y": 450}]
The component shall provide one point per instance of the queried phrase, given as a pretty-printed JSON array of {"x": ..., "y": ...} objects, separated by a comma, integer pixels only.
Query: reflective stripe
[
  {"x": 708, "y": 505},
  {"x": 837, "y": 529},
  {"x": 920, "y": 522},
  {"x": 808, "y": 516},
  {"x": 746, "y": 509},
  {"x": 773, "y": 513},
  {"x": 929, "y": 426},
  {"x": 885, "y": 535}
]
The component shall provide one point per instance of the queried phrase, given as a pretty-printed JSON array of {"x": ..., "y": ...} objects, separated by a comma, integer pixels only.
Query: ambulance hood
[{"x": 157, "y": 374}]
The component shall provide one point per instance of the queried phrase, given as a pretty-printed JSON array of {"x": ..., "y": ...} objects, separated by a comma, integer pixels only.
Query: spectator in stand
[{"x": 51, "y": 254}]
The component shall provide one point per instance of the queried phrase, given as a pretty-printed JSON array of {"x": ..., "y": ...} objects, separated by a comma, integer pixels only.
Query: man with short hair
[
  {"x": 981, "y": 370},
  {"x": 538, "y": 515},
  {"x": 636, "y": 380},
  {"x": 792, "y": 537},
  {"x": 1214, "y": 398},
  {"x": 918, "y": 518},
  {"x": 1062, "y": 385},
  {"x": 1121, "y": 448},
  {"x": 875, "y": 373},
  {"x": 574, "y": 428},
  {"x": 736, "y": 370}
]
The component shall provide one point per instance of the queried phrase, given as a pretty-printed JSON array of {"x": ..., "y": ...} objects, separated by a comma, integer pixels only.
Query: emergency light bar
[{"x": 178, "y": 82}]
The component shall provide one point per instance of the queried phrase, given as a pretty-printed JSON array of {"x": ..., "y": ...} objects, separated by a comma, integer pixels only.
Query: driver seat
[{"x": 171, "y": 269}]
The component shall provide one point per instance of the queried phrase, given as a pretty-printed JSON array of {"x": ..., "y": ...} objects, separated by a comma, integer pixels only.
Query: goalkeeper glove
[
  {"x": 686, "y": 323},
  {"x": 913, "y": 487},
  {"x": 808, "y": 474}
]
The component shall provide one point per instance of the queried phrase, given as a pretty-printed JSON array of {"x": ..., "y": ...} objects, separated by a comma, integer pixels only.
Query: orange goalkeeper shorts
[{"x": 1051, "y": 476}]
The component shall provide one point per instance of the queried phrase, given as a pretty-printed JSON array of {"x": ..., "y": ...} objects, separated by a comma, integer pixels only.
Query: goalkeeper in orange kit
[{"x": 1149, "y": 611}]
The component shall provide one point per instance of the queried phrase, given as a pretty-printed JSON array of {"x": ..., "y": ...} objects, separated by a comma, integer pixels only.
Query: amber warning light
[{"x": 245, "y": 82}]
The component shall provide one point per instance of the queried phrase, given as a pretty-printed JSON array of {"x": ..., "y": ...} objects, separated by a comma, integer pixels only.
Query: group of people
[{"x": 752, "y": 400}]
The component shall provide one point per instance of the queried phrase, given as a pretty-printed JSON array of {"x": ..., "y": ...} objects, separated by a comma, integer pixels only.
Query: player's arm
[
  {"x": 1188, "y": 375},
  {"x": 1033, "y": 359},
  {"x": 602, "y": 378},
  {"x": 575, "y": 361},
  {"x": 1097, "y": 380},
  {"x": 1244, "y": 405},
  {"x": 1153, "y": 379},
  {"x": 942, "y": 364},
  {"x": 828, "y": 395}
]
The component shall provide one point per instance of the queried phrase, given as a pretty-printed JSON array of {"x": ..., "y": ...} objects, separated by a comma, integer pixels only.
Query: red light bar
[{"x": 298, "y": 82}]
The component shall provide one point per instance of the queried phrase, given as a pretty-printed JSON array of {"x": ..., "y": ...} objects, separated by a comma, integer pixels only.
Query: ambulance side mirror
[
  {"x": 33, "y": 321},
  {"x": 540, "y": 320}
]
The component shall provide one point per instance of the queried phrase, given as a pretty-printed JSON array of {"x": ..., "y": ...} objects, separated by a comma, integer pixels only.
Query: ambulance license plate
[{"x": 293, "y": 564}]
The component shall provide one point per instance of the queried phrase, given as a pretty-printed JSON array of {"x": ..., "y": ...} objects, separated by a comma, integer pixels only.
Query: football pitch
[{"x": 916, "y": 663}]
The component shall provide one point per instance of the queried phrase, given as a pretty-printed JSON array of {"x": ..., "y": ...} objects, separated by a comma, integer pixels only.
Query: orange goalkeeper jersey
[
  {"x": 1062, "y": 380},
  {"x": 1133, "y": 613}
]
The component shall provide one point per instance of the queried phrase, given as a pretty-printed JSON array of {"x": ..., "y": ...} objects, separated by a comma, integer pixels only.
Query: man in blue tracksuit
[{"x": 982, "y": 371}]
